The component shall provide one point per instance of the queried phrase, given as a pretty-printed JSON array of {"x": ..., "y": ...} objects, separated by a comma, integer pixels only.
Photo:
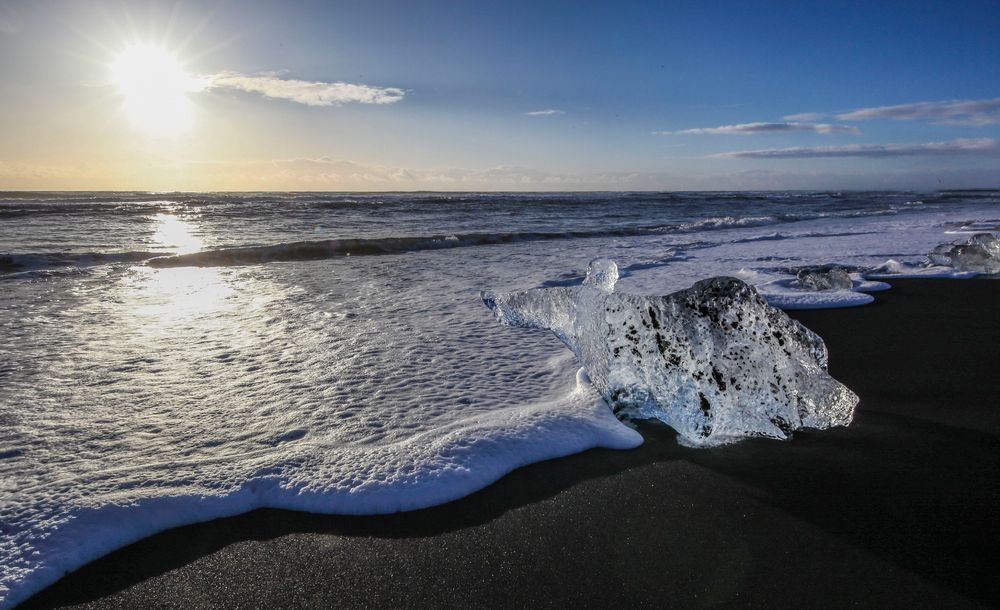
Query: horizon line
[{"x": 526, "y": 192}]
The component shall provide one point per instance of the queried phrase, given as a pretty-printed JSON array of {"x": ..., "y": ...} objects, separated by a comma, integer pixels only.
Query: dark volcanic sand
[{"x": 899, "y": 509}]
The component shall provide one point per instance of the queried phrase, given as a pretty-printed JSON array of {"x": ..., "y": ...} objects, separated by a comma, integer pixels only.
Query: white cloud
[
  {"x": 746, "y": 129},
  {"x": 310, "y": 93},
  {"x": 961, "y": 146},
  {"x": 959, "y": 112},
  {"x": 546, "y": 112},
  {"x": 804, "y": 116}
]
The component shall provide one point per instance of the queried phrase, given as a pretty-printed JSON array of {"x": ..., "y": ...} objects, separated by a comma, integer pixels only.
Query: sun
[{"x": 154, "y": 89}]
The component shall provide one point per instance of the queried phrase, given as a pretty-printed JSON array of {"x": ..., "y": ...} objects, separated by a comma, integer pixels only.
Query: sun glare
[
  {"x": 176, "y": 234},
  {"x": 154, "y": 88}
]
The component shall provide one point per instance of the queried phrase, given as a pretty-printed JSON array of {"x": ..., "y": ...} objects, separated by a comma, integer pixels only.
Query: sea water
[{"x": 167, "y": 358}]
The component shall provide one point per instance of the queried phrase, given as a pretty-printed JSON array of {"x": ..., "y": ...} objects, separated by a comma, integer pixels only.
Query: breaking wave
[
  {"x": 332, "y": 248},
  {"x": 18, "y": 263}
]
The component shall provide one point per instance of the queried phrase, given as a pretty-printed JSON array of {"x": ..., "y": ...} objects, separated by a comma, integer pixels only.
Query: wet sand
[{"x": 899, "y": 509}]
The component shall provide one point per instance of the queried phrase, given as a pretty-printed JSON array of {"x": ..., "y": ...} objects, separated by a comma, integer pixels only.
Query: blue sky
[{"x": 532, "y": 95}]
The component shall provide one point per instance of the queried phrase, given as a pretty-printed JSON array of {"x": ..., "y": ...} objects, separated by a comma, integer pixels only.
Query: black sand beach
[{"x": 899, "y": 509}]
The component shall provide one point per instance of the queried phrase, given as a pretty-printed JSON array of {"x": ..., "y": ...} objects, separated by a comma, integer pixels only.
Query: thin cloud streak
[
  {"x": 961, "y": 146},
  {"x": 956, "y": 112},
  {"x": 310, "y": 93},
  {"x": 805, "y": 116},
  {"x": 747, "y": 129},
  {"x": 546, "y": 112}
]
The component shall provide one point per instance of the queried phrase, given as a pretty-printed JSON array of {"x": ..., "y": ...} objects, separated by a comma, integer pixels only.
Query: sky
[{"x": 374, "y": 95}]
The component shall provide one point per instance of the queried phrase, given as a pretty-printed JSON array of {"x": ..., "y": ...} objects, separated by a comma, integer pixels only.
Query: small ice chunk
[
  {"x": 824, "y": 278},
  {"x": 714, "y": 361},
  {"x": 980, "y": 254},
  {"x": 602, "y": 274}
]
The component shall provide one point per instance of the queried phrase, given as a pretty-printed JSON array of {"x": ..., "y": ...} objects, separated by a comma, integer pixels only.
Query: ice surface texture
[
  {"x": 714, "y": 361},
  {"x": 980, "y": 254},
  {"x": 824, "y": 278}
]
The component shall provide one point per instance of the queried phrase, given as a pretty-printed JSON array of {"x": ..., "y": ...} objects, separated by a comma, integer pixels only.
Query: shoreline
[{"x": 895, "y": 509}]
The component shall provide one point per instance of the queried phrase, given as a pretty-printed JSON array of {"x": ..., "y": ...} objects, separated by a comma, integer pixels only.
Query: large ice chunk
[
  {"x": 714, "y": 361},
  {"x": 981, "y": 254}
]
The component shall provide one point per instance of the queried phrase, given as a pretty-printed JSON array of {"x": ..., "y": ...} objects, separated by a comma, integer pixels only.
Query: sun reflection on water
[
  {"x": 178, "y": 294},
  {"x": 173, "y": 295},
  {"x": 176, "y": 234}
]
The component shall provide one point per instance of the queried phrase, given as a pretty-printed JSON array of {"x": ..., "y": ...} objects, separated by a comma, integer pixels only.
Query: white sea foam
[
  {"x": 893, "y": 269},
  {"x": 56, "y": 526},
  {"x": 784, "y": 294}
]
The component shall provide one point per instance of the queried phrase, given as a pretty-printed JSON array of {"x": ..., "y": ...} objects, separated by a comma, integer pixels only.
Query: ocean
[{"x": 168, "y": 358}]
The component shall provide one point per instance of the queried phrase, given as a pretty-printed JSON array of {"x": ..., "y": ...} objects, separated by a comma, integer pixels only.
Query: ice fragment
[
  {"x": 981, "y": 254},
  {"x": 824, "y": 278},
  {"x": 714, "y": 361}
]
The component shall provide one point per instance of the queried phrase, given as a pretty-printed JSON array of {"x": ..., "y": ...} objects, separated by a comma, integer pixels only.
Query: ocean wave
[
  {"x": 332, "y": 248},
  {"x": 975, "y": 226},
  {"x": 264, "y": 225},
  {"x": 726, "y": 222},
  {"x": 306, "y": 250},
  {"x": 17, "y": 263},
  {"x": 777, "y": 236},
  {"x": 15, "y": 205},
  {"x": 966, "y": 195},
  {"x": 85, "y": 209}
]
